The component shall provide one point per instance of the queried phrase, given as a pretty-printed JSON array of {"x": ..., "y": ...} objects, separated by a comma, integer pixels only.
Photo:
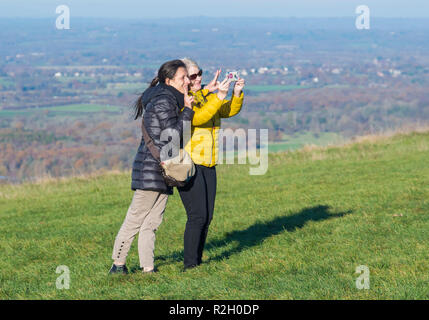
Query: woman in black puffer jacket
[{"x": 161, "y": 103}]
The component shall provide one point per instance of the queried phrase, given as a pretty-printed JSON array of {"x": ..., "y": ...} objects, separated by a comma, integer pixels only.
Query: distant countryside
[
  {"x": 340, "y": 210},
  {"x": 66, "y": 95}
]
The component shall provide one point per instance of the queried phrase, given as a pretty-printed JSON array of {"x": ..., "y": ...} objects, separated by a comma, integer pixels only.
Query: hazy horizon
[{"x": 134, "y": 9}]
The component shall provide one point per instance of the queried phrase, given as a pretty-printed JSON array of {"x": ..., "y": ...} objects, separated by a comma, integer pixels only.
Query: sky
[{"x": 213, "y": 8}]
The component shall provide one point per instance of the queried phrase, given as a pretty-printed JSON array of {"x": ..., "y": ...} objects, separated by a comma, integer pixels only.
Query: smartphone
[{"x": 233, "y": 76}]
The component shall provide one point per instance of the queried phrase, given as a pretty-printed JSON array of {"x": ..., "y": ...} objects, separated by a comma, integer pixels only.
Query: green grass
[{"x": 297, "y": 232}]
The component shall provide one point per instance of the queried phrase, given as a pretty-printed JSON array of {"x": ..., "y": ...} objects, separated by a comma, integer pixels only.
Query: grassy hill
[{"x": 297, "y": 232}]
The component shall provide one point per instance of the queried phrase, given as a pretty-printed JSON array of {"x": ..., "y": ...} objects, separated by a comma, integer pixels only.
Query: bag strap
[{"x": 150, "y": 144}]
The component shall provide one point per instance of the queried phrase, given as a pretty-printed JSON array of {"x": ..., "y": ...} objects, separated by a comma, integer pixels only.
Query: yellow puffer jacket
[{"x": 209, "y": 109}]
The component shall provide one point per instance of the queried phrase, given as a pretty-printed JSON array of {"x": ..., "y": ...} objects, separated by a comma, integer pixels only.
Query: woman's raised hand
[
  {"x": 188, "y": 99},
  {"x": 214, "y": 84},
  {"x": 223, "y": 89},
  {"x": 239, "y": 85}
]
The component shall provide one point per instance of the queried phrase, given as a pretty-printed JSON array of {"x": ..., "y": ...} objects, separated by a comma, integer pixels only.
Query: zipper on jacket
[
  {"x": 213, "y": 141},
  {"x": 211, "y": 158}
]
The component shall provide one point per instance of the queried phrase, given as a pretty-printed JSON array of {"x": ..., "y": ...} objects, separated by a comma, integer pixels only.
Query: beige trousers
[{"x": 144, "y": 217}]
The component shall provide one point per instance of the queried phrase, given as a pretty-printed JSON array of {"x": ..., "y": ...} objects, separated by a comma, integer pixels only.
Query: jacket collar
[{"x": 180, "y": 97}]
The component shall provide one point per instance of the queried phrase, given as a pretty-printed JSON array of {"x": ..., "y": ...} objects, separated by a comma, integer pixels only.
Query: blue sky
[{"x": 214, "y": 8}]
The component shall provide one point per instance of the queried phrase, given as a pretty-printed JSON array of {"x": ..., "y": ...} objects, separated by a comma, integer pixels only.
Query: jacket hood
[
  {"x": 151, "y": 93},
  {"x": 162, "y": 89}
]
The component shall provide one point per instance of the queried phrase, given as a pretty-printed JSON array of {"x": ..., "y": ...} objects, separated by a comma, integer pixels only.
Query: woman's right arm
[
  {"x": 212, "y": 106},
  {"x": 207, "y": 110}
]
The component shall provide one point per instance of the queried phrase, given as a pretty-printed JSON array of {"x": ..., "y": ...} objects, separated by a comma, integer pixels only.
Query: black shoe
[{"x": 118, "y": 269}]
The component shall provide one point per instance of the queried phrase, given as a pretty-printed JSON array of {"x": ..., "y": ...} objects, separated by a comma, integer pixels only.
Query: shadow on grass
[{"x": 257, "y": 233}]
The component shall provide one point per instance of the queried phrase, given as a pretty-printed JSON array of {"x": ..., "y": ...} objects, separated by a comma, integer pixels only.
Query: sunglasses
[{"x": 195, "y": 75}]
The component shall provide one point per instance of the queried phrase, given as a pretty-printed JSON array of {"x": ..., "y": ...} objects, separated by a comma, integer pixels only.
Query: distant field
[
  {"x": 308, "y": 138},
  {"x": 77, "y": 67},
  {"x": 6, "y": 82},
  {"x": 85, "y": 79},
  {"x": 72, "y": 109},
  {"x": 128, "y": 86},
  {"x": 268, "y": 88},
  {"x": 11, "y": 114},
  {"x": 146, "y": 66},
  {"x": 84, "y": 108},
  {"x": 140, "y": 86},
  {"x": 339, "y": 86},
  {"x": 297, "y": 232}
]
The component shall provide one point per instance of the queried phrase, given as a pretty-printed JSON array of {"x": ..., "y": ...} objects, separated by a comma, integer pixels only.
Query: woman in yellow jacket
[{"x": 198, "y": 196}]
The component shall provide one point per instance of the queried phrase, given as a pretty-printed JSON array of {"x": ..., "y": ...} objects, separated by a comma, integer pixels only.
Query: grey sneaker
[
  {"x": 118, "y": 269},
  {"x": 148, "y": 270}
]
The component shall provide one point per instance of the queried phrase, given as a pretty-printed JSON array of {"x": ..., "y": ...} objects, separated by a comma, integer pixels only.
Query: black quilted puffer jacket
[{"x": 162, "y": 105}]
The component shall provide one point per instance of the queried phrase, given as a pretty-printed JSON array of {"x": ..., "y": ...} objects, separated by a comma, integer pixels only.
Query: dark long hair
[{"x": 166, "y": 71}]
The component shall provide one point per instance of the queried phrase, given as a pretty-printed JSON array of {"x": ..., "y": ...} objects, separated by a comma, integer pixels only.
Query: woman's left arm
[{"x": 232, "y": 107}]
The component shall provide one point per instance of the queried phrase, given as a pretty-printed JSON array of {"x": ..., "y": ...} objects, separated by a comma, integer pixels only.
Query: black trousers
[{"x": 198, "y": 198}]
